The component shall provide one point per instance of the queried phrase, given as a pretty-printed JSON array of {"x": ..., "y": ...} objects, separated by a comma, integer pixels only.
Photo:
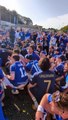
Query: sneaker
[{"x": 15, "y": 92}]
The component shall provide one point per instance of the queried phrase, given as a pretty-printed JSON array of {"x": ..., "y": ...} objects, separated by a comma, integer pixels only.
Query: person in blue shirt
[
  {"x": 1, "y": 95},
  {"x": 0, "y": 62},
  {"x": 1, "y": 86},
  {"x": 59, "y": 65},
  {"x": 65, "y": 87},
  {"x": 32, "y": 52},
  {"x": 1, "y": 113},
  {"x": 18, "y": 76},
  {"x": 22, "y": 35},
  {"x": 32, "y": 66},
  {"x": 27, "y": 35},
  {"x": 43, "y": 54},
  {"x": 55, "y": 104},
  {"x": 57, "y": 53}
]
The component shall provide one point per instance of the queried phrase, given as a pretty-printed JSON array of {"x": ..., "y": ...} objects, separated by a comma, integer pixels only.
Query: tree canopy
[{"x": 65, "y": 28}]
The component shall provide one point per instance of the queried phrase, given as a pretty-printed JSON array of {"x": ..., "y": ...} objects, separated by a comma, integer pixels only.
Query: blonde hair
[{"x": 61, "y": 99}]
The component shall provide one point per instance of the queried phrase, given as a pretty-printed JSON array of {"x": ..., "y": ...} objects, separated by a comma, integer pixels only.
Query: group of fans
[{"x": 37, "y": 60}]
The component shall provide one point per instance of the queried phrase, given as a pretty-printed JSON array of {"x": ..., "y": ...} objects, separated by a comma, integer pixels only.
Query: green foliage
[{"x": 64, "y": 29}]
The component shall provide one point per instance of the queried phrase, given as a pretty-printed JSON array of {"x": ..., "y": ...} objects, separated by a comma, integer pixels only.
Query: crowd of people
[{"x": 39, "y": 61}]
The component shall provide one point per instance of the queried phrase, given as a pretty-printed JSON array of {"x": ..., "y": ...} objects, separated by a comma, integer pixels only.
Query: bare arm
[
  {"x": 59, "y": 78},
  {"x": 11, "y": 76},
  {"x": 43, "y": 105}
]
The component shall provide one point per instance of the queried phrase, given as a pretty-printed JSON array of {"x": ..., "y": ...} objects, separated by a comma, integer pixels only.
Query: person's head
[
  {"x": 14, "y": 58},
  {"x": 3, "y": 45},
  {"x": 61, "y": 99},
  {"x": 51, "y": 49},
  {"x": 59, "y": 59},
  {"x": 16, "y": 51},
  {"x": 28, "y": 58},
  {"x": 44, "y": 64},
  {"x": 31, "y": 49},
  {"x": 52, "y": 60},
  {"x": 32, "y": 43},
  {"x": 16, "y": 46},
  {"x": 56, "y": 51},
  {"x": 43, "y": 54},
  {"x": 17, "y": 30},
  {"x": 39, "y": 48},
  {"x": 66, "y": 67}
]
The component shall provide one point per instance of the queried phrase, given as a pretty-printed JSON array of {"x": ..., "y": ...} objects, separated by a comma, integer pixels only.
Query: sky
[{"x": 47, "y": 13}]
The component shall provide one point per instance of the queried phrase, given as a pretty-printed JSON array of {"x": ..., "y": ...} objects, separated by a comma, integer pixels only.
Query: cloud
[{"x": 57, "y": 22}]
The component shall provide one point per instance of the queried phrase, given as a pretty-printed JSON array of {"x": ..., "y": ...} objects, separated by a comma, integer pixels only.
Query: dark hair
[
  {"x": 29, "y": 57},
  {"x": 32, "y": 46},
  {"x": 62, "y": 57},
  {"x": 16, "y": 57},
  {"x": 45, "y": 64},
  {"x": 40, "y": 47},
  {"x": 24, "y": 52},
  {"x": 16, "y": 51}
]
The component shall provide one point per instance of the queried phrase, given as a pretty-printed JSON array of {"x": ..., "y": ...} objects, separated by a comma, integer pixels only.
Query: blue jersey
[
  {"x": 59, "y": 69},
  {"x": 1, "y": 77},
  {"x": 66, "y": 78},
  {"x": 33, "y": 68},
  {"x": 22, "y": 35},
  {"x": 1, "y": 74},
  {"x": 1, "y": 113},
  {"x": 0, "y": 62},
  {"x": 20, "y": 73},
  {"x": 1, "y": 92},
  {"x": 35, "y": 56}
]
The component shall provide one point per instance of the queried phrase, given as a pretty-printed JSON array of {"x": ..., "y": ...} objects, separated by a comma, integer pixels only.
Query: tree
[{"x": 64, "y": 29}]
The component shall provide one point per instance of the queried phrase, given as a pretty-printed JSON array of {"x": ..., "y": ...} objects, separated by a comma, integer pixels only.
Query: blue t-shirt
[
  {"x": 1, "y": 113},
  {"x": 1, "y": 77},
  {"x": 35, "y": 56},
  {"x": 22, "y": 35},
  {"x": 59, "y": 69},
  {"x": 0, "y": 62},
  {"x": 20, "y": 73},
  {"x": 33, "y": 68},
  {"x": 1, "y": 74},
  {"x": 27, "y": 34},
  {"x": 66, "y": 78}
]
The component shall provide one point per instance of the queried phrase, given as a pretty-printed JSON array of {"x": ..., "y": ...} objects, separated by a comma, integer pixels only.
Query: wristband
[{"x": 40, "y": 108}]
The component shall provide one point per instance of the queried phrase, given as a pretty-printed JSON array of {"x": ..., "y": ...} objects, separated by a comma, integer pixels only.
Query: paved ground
[{"x": 24, "y": 103}]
